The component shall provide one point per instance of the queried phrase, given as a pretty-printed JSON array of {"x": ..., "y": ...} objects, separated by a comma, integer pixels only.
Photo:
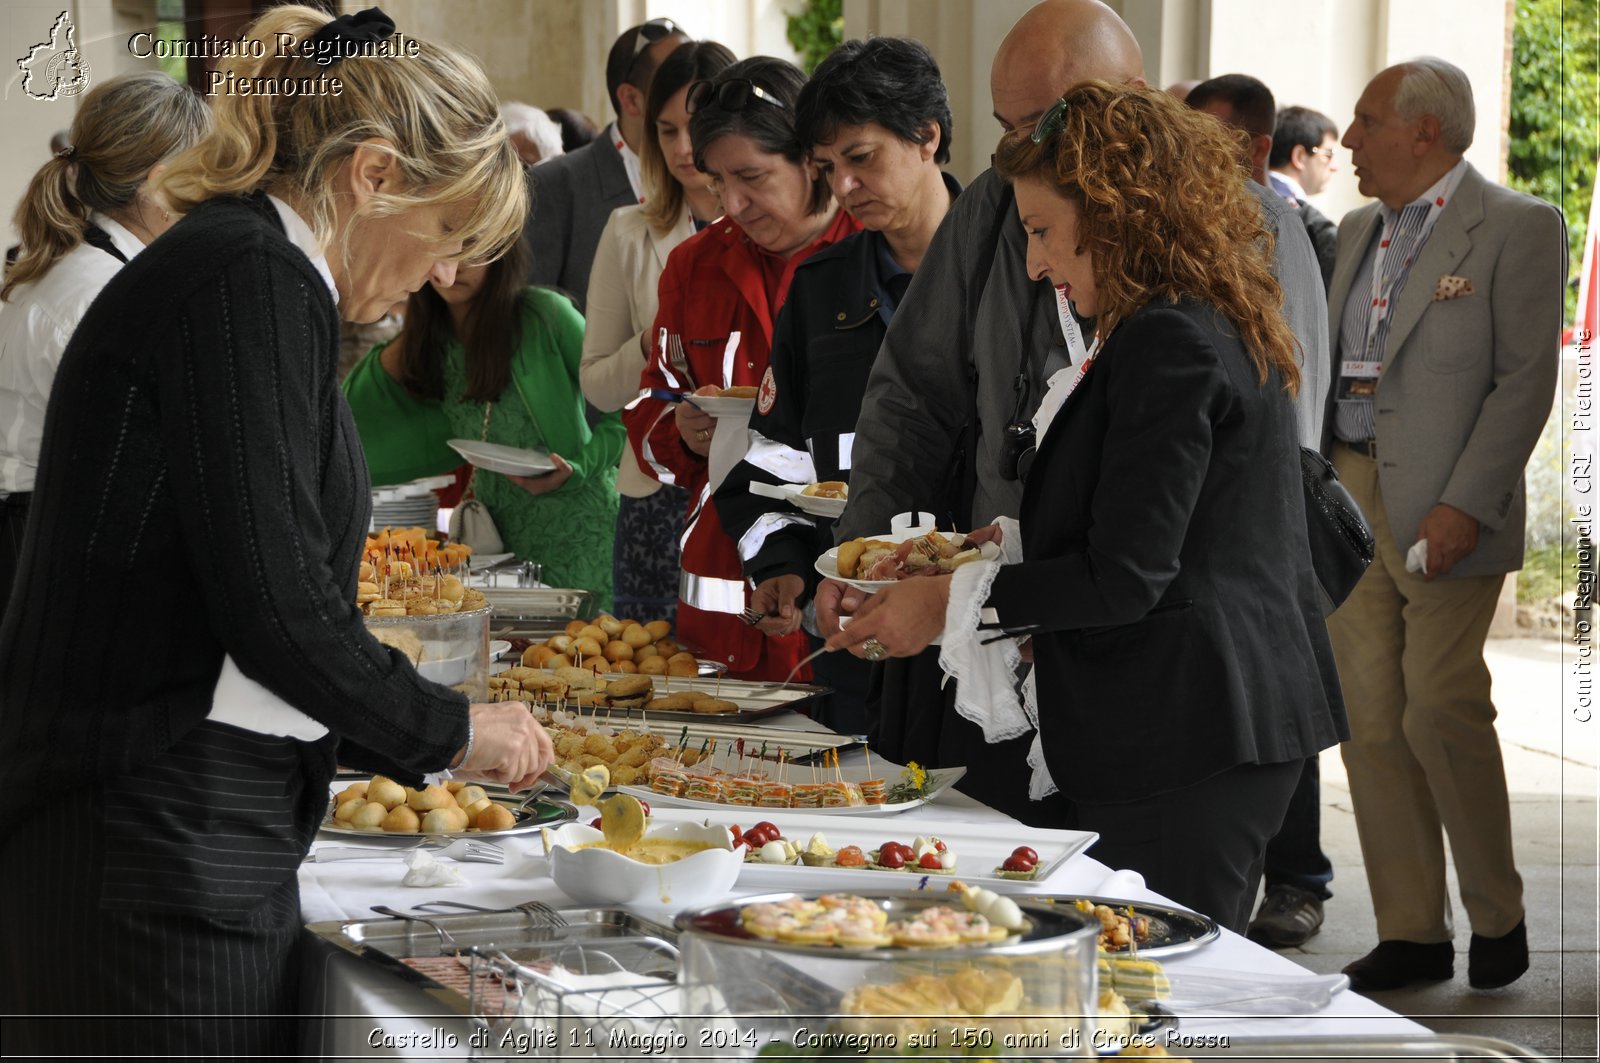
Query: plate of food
[
  {"x": 826, "y": 499},
  {"x": 380, "y": 809},
  {"x": 736, "y": 401},
  {"x": 765, "y": 788},
  {"x": 803, "y": 851},
  {"x": 873, "y": 564},
  {"x": 510, "y": 461},
  {"x": 498, "y": 648},
  {"x": 1156, "y": 929}
]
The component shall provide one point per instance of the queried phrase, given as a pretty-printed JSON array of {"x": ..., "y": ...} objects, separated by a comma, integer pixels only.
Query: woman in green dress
[{"x": 488, "y": 359}]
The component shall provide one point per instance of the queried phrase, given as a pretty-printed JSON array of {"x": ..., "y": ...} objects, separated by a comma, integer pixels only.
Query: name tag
[{"x": 1362, "y": 370}]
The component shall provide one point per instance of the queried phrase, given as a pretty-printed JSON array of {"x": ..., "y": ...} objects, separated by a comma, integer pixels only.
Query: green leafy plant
[
  {"x": 1555, "y": 88},
  {"x": 816, "y": 29}
]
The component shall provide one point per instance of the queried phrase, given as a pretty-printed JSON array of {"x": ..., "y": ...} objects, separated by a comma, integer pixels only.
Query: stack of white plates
[{"x": 412, "y": 505}]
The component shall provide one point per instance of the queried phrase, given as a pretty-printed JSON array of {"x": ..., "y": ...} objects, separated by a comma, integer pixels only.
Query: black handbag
[{"x": 1341, "y": 541}]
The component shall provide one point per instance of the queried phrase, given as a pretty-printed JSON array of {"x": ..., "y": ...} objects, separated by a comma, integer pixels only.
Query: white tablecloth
[{"x": 383, "y": 1018}]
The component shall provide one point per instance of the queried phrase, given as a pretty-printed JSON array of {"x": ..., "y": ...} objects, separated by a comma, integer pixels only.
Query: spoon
[{"x": 584, "y": 788}]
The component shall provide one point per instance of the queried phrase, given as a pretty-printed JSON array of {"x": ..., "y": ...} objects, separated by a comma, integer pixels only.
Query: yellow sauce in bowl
[{"x": 655, "y": 850}]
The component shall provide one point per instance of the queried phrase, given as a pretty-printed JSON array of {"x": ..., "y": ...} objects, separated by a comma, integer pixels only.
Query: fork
[
  {"x": 445, "y": 939},
  {"x": 466, "y": 850},
  {"x": 543, "y": 915}
]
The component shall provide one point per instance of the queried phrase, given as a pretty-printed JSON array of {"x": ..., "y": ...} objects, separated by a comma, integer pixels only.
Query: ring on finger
[
  {"x": 701, "y": 435},
  {"x": 873, "y": 650}
]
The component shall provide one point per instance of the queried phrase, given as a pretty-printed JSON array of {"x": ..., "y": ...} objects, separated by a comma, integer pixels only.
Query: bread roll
[
  {"x": 653, "y": 665},
  {"x": 560, "y": 643},
  {"x": 473, "y": 809},
  {"x": 609, "y": 624},
  {"x": 575, "y": 627},
  {"x": 739, "y": 391},
  {"x": 667, "y": 647},
  {"x": 345, "y": 810},
  {"x": 625, "y": 667},
  {"x": 595, "y": 664},
  {"x": 585, "y": 646},
  {"x": 827, "y": 489},
  {"x": 495, "y": 817},
  {"x": 659, "y": 629},
  {"x": 850, "y": 557},
  {"x": 386, "y": 792},
  {"x": 680, "y": 667},
  {"x": 617, "y": 651},
  {"x": 441, "y": 820},
  {"x": 636, "y": 636},
  {"x": 370, "y": 816},
  {"x": 401, "y": 820},
  {"x": 433, "y": 797},
  {"x": 470, "y": 795},
  {"x": 594, "y": 631},
  {"x": 355, "y": 789}
]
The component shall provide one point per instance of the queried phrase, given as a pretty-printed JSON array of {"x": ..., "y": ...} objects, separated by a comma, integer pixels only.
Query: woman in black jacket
[
  {"x": 198, "y": 520},
  {"x": 1183, "y": 669},
  {"x": 875, "y": 116}
]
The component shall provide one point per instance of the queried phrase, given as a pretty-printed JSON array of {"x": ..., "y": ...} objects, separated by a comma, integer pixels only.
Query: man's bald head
[{"x": 1055, "y": 45}]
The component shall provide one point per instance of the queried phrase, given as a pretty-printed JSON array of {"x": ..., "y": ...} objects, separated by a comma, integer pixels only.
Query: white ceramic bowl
[{"x": 600, "y": 876}]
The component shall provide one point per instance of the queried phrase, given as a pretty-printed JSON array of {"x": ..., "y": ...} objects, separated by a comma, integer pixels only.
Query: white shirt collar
[
  {"x": 630, "y": 160},
  {"x": 121, "y": 237},
  {"x": 301, "y": 236},
  {"x": 1279, "y": 177}
]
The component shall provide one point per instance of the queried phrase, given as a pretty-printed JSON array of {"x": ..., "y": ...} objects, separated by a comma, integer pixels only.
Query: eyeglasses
[
  {"x": 651, "y": 32},
  {"x": 1326, "y": 153},
  {"x": 733, "y": 94},
  {"x": 1052, "y": 120}
]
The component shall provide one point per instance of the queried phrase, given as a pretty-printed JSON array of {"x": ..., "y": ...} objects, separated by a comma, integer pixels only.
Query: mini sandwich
[
  {"x": 827, "y": 489},
  {"x": 629, "y": 692}
]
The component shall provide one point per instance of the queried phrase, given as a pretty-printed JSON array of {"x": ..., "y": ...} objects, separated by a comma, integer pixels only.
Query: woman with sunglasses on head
[
  {"x": 876, "y": 117},
  {"x": 621, "y": 308},
  {"x": 205, "y": 506},
  {"x": 1162, "y": 568},
  {"x": 487, "y": 357},
  {"x": 719, "y": 298}
]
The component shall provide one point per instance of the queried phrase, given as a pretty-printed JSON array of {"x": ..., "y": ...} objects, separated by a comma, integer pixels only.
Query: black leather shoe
[
  {"x": 1395, "y": 964},
  {"x": 1494, "y": 962}
]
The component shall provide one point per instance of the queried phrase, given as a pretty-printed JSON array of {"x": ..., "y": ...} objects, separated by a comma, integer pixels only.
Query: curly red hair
[{"x": 1163, "y": 210}]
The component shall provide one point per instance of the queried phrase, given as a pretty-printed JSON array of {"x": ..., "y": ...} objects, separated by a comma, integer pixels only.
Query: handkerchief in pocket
[{"x": 1451, "y": 288}]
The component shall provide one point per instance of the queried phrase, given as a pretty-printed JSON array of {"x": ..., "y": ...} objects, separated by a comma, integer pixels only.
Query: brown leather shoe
[
  {"x": 1396, "y": 964},
  {"x": 1494, "y": 962}
]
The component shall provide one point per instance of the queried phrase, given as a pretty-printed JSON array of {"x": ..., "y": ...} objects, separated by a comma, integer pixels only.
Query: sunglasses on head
[
  {"x": 651, "y": 32},
  {"x": 733, "y": 94},
  {"x": 1052, "y": 119}
]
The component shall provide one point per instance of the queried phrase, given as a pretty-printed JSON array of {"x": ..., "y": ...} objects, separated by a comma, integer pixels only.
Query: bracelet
[{"x": 466, "y": 752}]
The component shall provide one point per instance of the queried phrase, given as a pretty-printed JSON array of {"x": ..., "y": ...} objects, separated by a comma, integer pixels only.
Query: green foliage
[
  {"x": 815, "y": 30},
  {"x": 1555, "y": 110}
]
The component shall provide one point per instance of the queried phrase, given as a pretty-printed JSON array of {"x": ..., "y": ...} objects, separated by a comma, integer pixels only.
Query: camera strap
[{"x": 1071, "y": 331}]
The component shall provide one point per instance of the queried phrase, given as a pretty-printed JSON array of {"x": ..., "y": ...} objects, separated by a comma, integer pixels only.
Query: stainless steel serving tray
[
  {"x": 1173, "y": 931},
  {"x": 386, "y": 944},
  {"x": 527, "y": 604},
  {"x": 756, "y": 700}
]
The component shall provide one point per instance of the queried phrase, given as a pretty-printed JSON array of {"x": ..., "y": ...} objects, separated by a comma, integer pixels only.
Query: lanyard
[
  {"x": 1386, "y": 274},
  {"x": 1076, "y": 349}
]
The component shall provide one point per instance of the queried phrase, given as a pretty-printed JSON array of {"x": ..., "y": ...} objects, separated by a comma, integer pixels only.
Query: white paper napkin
[
  {"x": 424, "y": 870},
  {"x": 1126, "y": 883},
  {"x": 1417, "y": 557}
]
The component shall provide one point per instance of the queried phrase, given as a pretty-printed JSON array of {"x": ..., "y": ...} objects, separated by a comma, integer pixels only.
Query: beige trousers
[{"x": 1423, "y": 753}]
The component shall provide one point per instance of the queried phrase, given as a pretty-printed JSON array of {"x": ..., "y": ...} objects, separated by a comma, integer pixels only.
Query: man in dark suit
[
  {"x": 1304, "y": 146},
  {"x": 1297, "y": 872},
  {"x": 574, "y": 194},
  {"x": 1446, "y": 316}
]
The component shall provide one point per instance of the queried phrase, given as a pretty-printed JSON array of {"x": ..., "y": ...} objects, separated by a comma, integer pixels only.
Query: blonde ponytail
[{"x": 124, "y": 127}]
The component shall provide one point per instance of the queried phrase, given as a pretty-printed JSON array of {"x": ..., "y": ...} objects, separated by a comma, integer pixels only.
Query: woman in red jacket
[{"x": 719, "y": 296}]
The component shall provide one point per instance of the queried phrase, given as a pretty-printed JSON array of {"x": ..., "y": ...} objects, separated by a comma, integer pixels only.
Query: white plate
[
  {"x": 943, "y": 778},
  {"x": 498, "y": 647},
  {"x": 831, "y": 508},
  {"x": 979, "y": 850},
  {"x": 511, "y": 461},
  {"x": 723, "y": 405},
  {"x": 828, "y": 565}
]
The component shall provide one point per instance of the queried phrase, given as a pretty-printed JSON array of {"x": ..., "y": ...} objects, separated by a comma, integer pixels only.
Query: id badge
[{"x": 1359, "y": 379}]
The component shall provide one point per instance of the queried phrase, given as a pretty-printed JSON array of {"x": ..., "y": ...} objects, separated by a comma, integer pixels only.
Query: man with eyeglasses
[
  {"x": 1304, "y": 146},
  {"x": 574, "y": 194}
]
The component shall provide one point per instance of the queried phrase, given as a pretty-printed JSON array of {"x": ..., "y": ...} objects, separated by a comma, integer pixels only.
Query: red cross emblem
[{"x": 768, "y": 393}]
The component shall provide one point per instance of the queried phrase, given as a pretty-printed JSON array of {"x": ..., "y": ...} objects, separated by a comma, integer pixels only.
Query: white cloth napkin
[
  {"x": 1126, "y": 883},
  {"x": 986, "y": 673},
  {"x": 423, "y": 870},
  {"x": 1417, "y": 557}
]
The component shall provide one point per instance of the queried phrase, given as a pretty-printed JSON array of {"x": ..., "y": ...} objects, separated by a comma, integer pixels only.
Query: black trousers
[
  {"x": 13, "y": 519},
  {"x": 1295, "y": 856},
  {"x": 1201, "y": 845},
  {"x": 158, "y": 914}
]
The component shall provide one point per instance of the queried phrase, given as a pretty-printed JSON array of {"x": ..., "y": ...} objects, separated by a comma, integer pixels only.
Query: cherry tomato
[
  {"x": 895, "y": 847},
  {"x": 768, "y": 825},
  {"x": 595, "y": 823},
  {"x": 738, "y": 835},
  {"x": 891, "y": 858},
  {"x": 938, "y": 845},
  {"x": 644, "y": 805},
  {"x": 762, "y": 833},
  {"x": 930, "y": 861},
  {"x": 1016, "y": 863},
  {"x": 1026, "y": 853}
]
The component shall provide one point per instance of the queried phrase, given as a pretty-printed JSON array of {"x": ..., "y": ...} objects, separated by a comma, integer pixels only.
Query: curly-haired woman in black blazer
[{"x": 1183, "y": 670}]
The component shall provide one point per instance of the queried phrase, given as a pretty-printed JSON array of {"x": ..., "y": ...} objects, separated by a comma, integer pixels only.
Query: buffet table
[{"x": 370, "y": 1014}]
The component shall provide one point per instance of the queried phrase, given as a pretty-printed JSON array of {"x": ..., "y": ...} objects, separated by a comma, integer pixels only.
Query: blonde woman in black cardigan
[{"x": 199, "y": 514}]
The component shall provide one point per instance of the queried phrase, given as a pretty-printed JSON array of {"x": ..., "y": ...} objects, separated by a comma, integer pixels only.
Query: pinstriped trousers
[{"x": 159, "y": 914}]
